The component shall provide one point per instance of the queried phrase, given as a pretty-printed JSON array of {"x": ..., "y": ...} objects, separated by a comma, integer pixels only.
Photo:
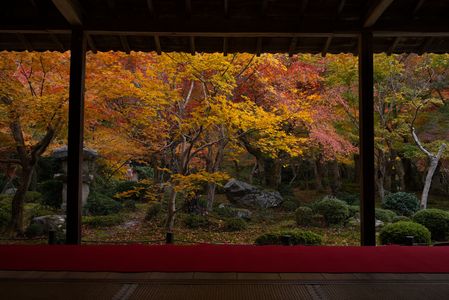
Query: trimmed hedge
[
  {"x": 404, "y": 204},
  {"x": 289, "y": 205},
  {"x": 153, "y": 211},
  {"x": 334, "y": 211},
  {"x": 103, "y": 221},
  {"x": 101, "y": 205},
  {"x": 436, "y": 220},
  {"x": 196, "y": 221},
  {"x": 303, "y": 216},
  {"x": 400, "y": 218},
  {"x": 51, "y": 192},
  {"x": 385, "y": 215},
  {"x": 234, "y": 224},
  {"x": 397, "y": 233},
  {"x": 297, "y": 237}
]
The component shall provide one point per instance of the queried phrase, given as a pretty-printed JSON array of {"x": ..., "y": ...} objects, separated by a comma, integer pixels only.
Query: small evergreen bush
[
  {"x": 354, "y": 211},
  {"x": 385, "y": 215},
  {"x": 103, "y": 221},
  {"x": 289, "y": 205},
  {"x": 400, "y": 218},
  {"x": 33, "y": 197},
  {"x": 101, "y": 205},
  {"x": 35, "y": 230},
  {"x": 334, "y": 211},
  {"x": 225, "y": 211},
  {"x": 51, "y": 191},
  {"x": 350, "y": 199},
  {"x": 196, "y": 221},
  {"x": 297, "y": 237},
  {"x": 153, "y": 211},
  {"x": 5, "y": 212},
  {"x": 303, "y": 216},
  {"x": 436, "y": 220},
  {"x": 396, "y": 233},
  {"x": 234, "y": 224},
  {"x": 404, "y": 204}
]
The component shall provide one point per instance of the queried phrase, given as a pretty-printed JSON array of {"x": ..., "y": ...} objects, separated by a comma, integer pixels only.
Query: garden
[{"x": 227, "y": 150}]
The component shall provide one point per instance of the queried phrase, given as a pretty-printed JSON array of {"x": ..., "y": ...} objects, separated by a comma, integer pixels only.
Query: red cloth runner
[{"x": 225, "y": 258}]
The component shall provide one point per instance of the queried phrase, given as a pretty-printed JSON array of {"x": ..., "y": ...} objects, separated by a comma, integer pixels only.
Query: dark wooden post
[
  {"x": 366, "y": 142},
  {"x": 75, "y": 135}
]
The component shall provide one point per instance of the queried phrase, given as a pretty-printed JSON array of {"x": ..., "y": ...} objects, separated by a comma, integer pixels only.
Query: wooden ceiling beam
[
  {"x": 192, "y": 45},
  {"x": 326, "y": 46},
  {"x": 393, "y": 45},
  {"x": 26, "y": 44},
  {"x": 226, "y": 8},
  {"x": 188, "y": 8},
  {"x": 258, "y": 46},
  {"x": 425, "y": 45},
  {"x": 157, "y": 45},
  {"x": 225, "y": 46},
  {"x": 376, "y": 12},
  {"x": 125, "y": 44},
  {"x": 292, "y": 47},
  {"x": 417, "y": 7},
  {"x": 70, "y": 10},
  {"x": 151, "y": 10},
  {"x": 91, "y": 43},
  {"x": 57, "y": 42}
]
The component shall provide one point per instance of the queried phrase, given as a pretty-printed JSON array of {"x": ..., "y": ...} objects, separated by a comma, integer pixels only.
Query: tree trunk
[
  {"x": 171, "y": 210},
  {"x": 380, "y": 175},
  {"x": 433, "y": 166},
  {"x": 272, "y": 172},
  {"x": 335, "y": 184},
  {"x": 16, "y": 225},
  {"x": 317, "y": 173},
  {"x": 211, "y": 186}
]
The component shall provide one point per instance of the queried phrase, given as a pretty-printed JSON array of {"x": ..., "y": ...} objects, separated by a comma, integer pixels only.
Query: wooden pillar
[
  {"x": 366, "y": 142},
  {"x": 75, "y": 135}
]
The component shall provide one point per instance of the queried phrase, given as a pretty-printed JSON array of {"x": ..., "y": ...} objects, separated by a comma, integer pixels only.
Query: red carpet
[{"x": 222, "y": 258}]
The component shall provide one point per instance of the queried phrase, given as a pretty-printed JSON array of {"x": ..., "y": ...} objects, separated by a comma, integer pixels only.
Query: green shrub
[
  {"x": 289, "y": 205},
  {"x": 36, "y": 210},
  {"x": 334, "y": 211},
  {"x": 103, "y": 221},
  {"x": 385, "y": 215},
  {"x": 135, "y": 191},
  {"x": 400, "y": 218},
  {"x": 397, "y": 233},
  {"x": 153, "y": 210},
  {"x": 436, "y": 220},
  {"x": 33, "y": 197},
  {"x": 5, "y": 212},
  {"x": 350, "y": 199},
  {"x": 100, "y": 205},
  {"x": 234, "y": 224},
  {"x": 225, "y": 211},
  {"x": 303, "y": 216},
  {"x": 404, "y": 204},
  {"x": 318, "y": 220},
  {"x": 51, "y": 191},
  {"x": 196, "y": 221},
  {"x": 35, "y": 230},
  {"x": 354, "y": 211},
  {"x": 297, "y": 237}
]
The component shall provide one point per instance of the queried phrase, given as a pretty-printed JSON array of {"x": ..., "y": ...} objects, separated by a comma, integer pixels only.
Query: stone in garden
[
  {"x": 241, "y": 213},
  {"x": 356, "y": 221},
  {"x": 242, "y": 193},
  {"x": 50, "y": 222},
  {"x": 88, "y": 168}
]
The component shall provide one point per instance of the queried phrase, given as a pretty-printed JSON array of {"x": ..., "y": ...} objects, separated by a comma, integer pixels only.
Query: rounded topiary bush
[
  {"x": 404, "y": 204},
  {"x": 354, "y": 211},
  {"x": 153, "y": 210},
  {"x": 196, "y": 221},
  {"x": 400, "y": 218},
  {"x": 51, "y": 191},
  {"x": 334, "y": 211},
  {"x": 103, "y": 221},
  {"x": 296, "y": 237},
  {"x": 100, "y": 205},
  {"x": 385, "y": 215},
  {"x": 436, "y": 220},
  {"x": 289, "y": 205},
  {"x": 397, "y": 233},
  {"x": 5, "y": 212},
  {"x": 234, "y": 224},
  {"x": 303, "y": 216}
]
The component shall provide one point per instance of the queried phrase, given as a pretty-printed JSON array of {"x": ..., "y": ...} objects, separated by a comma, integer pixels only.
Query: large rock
[
  {"x": 50, "y": 222},
  {"x": 242, "y": 193}
]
